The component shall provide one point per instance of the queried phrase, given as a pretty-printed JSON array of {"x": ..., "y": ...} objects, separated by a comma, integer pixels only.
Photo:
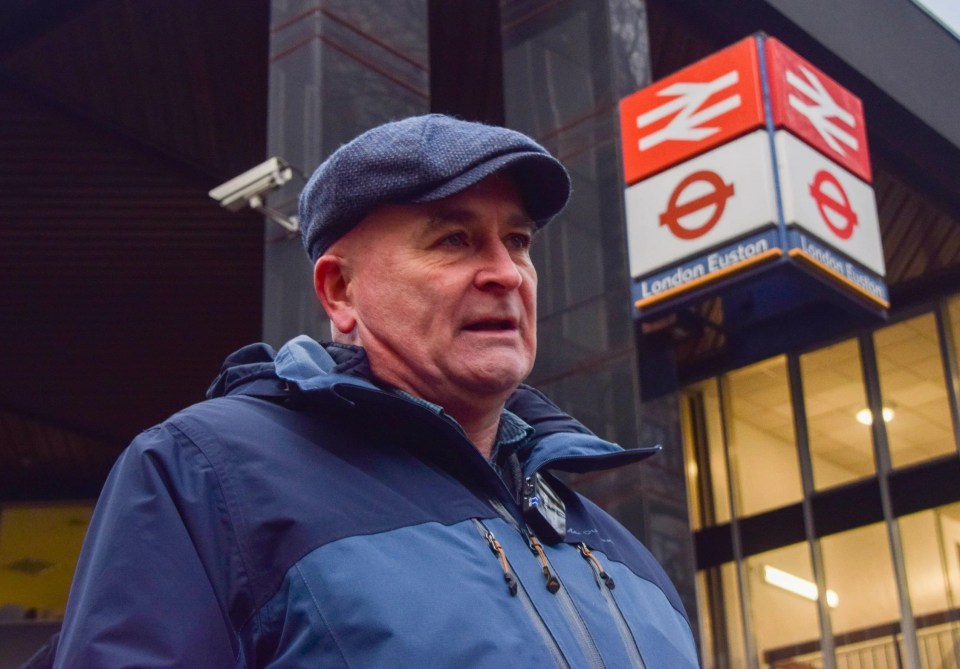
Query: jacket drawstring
[
  {"x": 553, "y": 584},
  {"x": 498, "y": 551},
  {"x": 590, "y": 557}
]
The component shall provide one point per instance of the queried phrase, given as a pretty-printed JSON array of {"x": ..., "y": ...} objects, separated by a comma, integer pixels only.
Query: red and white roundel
[{"x": 702, "y": 192}]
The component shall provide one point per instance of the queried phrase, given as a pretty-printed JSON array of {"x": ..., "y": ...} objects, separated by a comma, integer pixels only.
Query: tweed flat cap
[{"x": 424, "y": 159}]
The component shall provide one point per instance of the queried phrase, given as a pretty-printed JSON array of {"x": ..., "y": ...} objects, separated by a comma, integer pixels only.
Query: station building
[{"x": 806, "y": 502}]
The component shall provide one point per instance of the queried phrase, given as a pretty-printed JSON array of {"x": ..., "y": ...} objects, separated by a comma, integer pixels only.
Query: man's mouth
[{"x": 492, "y": 325}]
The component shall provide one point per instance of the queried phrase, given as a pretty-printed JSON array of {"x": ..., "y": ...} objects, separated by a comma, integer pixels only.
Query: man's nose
[{"x": 498, "y": 268}]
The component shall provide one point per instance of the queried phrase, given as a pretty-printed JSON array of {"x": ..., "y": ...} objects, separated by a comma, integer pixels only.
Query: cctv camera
[{"x": 248, "y": 189}]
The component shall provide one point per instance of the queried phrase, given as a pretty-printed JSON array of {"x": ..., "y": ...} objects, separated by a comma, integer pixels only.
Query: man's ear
[{"x": 331, "y": 284}]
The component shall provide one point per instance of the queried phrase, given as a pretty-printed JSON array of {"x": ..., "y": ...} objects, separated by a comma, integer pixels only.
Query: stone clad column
[
  {"x": 337, "y": 68},
  {"x": 566, "y": 65}
]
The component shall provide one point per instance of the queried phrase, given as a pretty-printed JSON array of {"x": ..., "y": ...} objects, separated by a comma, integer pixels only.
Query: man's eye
[
  {"x": 519, "y": 241},
  {"x": 456, "y": 240}
]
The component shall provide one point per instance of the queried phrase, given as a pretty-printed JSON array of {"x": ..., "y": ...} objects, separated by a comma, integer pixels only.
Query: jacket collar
[{"x": 312, "y": 371}]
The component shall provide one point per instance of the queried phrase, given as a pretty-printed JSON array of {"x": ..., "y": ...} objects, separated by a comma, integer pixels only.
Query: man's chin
[{"x": 495, "y": 381}]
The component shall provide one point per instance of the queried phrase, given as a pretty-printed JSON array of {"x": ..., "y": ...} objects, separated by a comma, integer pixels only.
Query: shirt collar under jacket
[{"x": 511, "y": 432}]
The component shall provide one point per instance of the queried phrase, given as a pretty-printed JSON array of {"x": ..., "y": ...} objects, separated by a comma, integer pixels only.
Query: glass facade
[
  {"x": 932, "y": 558},
  {"x": 783, "y": 609},
  {"x": 705, "y": 454},
  {"x": 760, "y": 437},
  {"x": 722, "y": 638},
  {"x": 915, "y": 407},
  {"x": 833, "y": 391},
  {"x": 859, "y": 565}
]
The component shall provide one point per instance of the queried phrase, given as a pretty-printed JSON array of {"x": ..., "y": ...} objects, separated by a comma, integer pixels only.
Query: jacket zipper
[
  {"x": 605, "y": 584},
  {"x": 584, "y": 639},
  {"x": 517, "y": 590},
  {"x": 587, "y": 645}
]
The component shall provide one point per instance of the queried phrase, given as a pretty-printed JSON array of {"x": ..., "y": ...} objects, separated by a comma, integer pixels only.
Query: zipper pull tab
[
  {"x": 590, "y": 557},
  {"x": 553, "y": 584},
  {"x": 498, "y": 551}
]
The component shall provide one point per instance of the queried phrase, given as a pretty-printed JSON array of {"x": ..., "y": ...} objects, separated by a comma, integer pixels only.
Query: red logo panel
[
  {"x": 817, "y": 109},
  {"x": 700, "y": 107}
]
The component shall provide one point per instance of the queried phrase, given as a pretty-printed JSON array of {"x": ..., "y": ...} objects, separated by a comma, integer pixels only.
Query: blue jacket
[{"x": 303, "y": 517}]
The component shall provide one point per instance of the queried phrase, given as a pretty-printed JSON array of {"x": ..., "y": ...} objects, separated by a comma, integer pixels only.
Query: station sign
[{"x": 748, "y": 158}]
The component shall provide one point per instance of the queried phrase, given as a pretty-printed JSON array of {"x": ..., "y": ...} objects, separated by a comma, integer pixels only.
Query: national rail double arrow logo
[
  {"x": 716, "y": 197},
  {"x": 833, "y": 204}
]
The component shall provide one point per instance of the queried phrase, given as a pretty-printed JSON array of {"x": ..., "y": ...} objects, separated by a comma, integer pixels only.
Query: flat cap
[{"x": 424, "y": 159}]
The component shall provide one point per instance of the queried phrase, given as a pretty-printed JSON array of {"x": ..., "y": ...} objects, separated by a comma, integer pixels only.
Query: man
[{"x": 385, "y": 500}]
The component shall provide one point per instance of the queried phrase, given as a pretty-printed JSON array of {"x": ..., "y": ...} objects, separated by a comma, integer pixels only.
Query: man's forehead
[
  {"x": 451, "y": 213},
  {"x": 497, "y": 192},
  {"x": 402, "y": 224}
]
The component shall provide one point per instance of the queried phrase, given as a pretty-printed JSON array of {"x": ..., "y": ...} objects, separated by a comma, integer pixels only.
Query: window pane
[
  {"x": 783, "y": 606},
  {"x": 721, "y": 631},
  {"x": 762, "y": 446},
  {"x": 931, "y": 550},
  {"x": 840, "y": 445},
  {"x": 913, "y": 388},
  {"x": 39, "y": 547},
  {"x": 704, "y": 456},
  {"x": 859, "y": 569}
]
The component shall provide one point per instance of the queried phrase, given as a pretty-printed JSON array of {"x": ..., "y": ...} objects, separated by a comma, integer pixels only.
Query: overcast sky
[{"x": 946, "y": 11}]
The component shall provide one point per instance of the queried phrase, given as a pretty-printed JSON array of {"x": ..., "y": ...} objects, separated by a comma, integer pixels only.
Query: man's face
[{"x": 444, "y": 293}]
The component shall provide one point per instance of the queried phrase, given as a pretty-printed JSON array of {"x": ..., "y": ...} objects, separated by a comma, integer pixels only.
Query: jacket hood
[
  {"x": 302, "y": 363},
  {"x": 305, "y": 367}
]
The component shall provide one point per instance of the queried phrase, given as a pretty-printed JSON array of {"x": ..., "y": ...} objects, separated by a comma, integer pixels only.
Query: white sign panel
[
  {"x": 701, "y": 204},
  {"x": 828, "y": 202}
]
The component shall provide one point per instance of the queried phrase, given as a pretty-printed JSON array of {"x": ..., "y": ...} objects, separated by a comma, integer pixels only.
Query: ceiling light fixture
[
  {"x": 865, "y": 416},
  {"x": 796, "y": 585}
]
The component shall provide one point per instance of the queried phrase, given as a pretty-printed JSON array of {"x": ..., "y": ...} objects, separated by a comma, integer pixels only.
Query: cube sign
[{"x": 747, "y": 159}]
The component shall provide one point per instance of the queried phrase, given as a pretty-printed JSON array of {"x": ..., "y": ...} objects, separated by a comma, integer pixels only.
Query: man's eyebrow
[
  {"x": 464, "y": 215},
  {"x": 450, "y": 215}
]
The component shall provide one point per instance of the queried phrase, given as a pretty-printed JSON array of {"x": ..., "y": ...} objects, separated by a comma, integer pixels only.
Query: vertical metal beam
[
  {"x": 951, "y": 369},
  {"x": 699, "y": 453},
  {"x": 881, "y": 451},
  {"x": 827, "y": 648},
  {"x": 951, "y": 373},
  {"x": 749, "y": 646}
]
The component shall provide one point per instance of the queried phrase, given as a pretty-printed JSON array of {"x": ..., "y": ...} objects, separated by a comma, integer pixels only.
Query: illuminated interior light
[
  {"x": 796, "y": 585},
  {"x": 865, "y": 417}
]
